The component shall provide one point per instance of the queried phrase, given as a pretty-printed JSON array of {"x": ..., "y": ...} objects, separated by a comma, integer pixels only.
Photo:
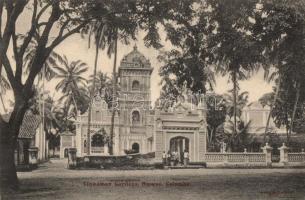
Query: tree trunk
[
  {"x": 92, "y": 95},
  {"x": 234, "y": 100},
  {"x": 75, "y": 104},
  {"x": 9, "y": 178},
  {"x": 114, "y": 103},
  {"x": 295, "y": 106},
  {"x": 271, "y": 107},
  {"x": 8, "y": 139},
  {"x": 3, "y": 105}
]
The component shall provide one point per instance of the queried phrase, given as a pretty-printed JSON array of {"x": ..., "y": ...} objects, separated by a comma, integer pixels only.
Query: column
[
  {"x": 283, "y": 154},
  {"x": 267, "y": 150}
]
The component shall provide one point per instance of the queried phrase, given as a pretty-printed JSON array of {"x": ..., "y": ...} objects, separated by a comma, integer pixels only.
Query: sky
[{"x": 76, "y": 48}]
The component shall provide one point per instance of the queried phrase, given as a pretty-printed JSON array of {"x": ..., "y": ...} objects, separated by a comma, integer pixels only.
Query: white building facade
[{"x": 137, "y": 127}]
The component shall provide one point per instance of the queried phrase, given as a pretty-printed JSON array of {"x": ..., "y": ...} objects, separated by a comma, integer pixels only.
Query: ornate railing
[
  {"x": 296, "y": 157},
  {"x": 235, "y": 157}
]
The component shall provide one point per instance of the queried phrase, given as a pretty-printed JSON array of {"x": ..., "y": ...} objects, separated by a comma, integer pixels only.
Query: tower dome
[{"x": 135, "y": 59}]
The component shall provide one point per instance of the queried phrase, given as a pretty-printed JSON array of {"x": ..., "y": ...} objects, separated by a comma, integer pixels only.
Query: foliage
[
  {"x": 188, "y": 61},
  {"x": 241, "y": 102},
  {"x": 236, "y": 140},
  {"x": 72, "y": 84},
  {"x": 216, "y": 113}
]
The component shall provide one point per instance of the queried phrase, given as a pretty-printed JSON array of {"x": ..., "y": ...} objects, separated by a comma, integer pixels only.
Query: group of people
[{"x": 174, "y": 158}]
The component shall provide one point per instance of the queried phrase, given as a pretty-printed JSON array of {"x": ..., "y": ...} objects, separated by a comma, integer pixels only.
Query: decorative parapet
[
  {"x": 296, "y": 158},
  {"x": 236, "y": 158},
  {"x": 240, "y": 158}
]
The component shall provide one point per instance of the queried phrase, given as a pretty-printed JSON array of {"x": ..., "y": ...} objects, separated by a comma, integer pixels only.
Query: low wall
[
  {"x": 131, "y": 160},
  {"x": 236, "y": 159},
  {"x": 295, "y": 159}
]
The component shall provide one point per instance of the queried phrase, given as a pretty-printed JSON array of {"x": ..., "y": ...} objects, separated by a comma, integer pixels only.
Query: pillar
[
  {"x": 33, "y": 154},
  {"x": 72, "y": 158},
  {"x": 267, "y": 150},
  {"x": 283, "y": 154}
]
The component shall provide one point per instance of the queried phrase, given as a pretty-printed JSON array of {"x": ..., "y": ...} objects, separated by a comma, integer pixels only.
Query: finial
[{"x": 135, "y": 48}]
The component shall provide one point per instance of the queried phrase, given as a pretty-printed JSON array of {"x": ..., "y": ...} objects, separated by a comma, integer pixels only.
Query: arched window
[
  {"x": 135, "y": 85},
  {"x": 135, "y": 147},
  {"x": 135, "y": 117},
  {"x": 97, "y": 140}
]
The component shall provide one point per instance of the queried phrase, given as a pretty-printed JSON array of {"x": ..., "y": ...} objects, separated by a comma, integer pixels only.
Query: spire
[{"x": 135, "y": 48}]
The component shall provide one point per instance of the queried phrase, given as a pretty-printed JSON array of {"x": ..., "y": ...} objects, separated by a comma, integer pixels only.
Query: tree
[
  {"x": 71, "y": 75},
  {"x": 188, "y": 62},
  {"x": 236, "y": 49},
  {"x": 280, "y": 27},
  {"x": 284, "y": 106},
  {"x": 216, "y": 113},
  {"x": 4, "y": 86},
  {"x": 102, "y": 83},
  {"x": 235, "y": 108},
  {"x": 54, "y": 12}
]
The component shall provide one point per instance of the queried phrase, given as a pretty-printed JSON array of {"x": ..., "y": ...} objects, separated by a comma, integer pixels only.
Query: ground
[{"x": 53, "y": 181}]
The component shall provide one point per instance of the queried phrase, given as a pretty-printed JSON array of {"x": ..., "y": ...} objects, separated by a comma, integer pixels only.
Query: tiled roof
[{"x": 29, "y": 125}]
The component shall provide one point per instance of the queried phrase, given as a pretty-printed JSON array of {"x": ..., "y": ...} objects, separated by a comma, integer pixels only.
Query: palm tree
[
  {"x": 4, "y": 86},
  {"x": 236, "y": 73},
  {"x": 235, "y": 107},
  {"x": 102, "y": 82},
  {"x": 46, "y": 73},
  {"x": 270, "y": 76},
  {"x": 105, "y": 32},
  {"x": 98, "y": 29},
  {"x": 71, "y": 75}
]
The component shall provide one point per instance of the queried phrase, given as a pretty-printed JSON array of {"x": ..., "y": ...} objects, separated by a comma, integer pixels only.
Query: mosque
[{"x": 138, "y": 127}]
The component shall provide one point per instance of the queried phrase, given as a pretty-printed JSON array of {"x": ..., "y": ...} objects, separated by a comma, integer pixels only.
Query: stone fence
[
  {"x": 240, "y": 159},
  {"x": 291, "y": 159},
  {"x": 247, "y": 159}
]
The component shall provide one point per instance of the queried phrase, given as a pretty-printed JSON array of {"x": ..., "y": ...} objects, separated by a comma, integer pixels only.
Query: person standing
[
  {"x": 164, "y": 157},
  {"x": 168, "y": 158},
  {"x": 186, "y": 158}
]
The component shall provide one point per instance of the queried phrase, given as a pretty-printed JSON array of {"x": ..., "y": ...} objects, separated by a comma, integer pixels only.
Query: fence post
[
  {"x": 283, "y": 154},
  {"x": 267, "y": 150},
  {"x": 303, "y": 155},
  {"x": 225, "y": 159},
  {"x": 246, "y": 156}
]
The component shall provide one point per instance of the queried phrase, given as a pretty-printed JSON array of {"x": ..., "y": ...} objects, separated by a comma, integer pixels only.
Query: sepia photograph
[{"x": 152, "y": 99}]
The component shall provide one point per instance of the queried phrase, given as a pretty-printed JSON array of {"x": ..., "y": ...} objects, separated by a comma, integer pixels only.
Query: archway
[
  {"x": 97, "y": 143},
  {"x": 135, "y": 147},
  {"x": 179, "y": 144},
  {"x": 97, "y": 140}
]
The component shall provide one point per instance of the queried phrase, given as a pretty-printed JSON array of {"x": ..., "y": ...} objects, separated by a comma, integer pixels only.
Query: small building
[
  {"x": 258, "y": 116},
  {"x": 67, "y": 140},
  {"x": 30, "y": 135}
]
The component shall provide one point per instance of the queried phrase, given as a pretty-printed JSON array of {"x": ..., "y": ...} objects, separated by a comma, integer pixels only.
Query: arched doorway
[
  {"x": 135, "y": 147},
  {"x": 97, "y": 143},
  {"x": 179, "y": 144}
]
